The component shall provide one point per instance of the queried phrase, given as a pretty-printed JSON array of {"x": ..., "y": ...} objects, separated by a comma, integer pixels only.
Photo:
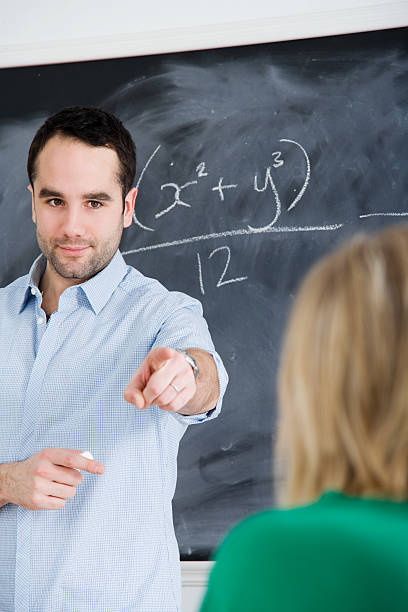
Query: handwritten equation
[
  {"x": 179, "y": 198},
  {"x": 181, "y": 195}
]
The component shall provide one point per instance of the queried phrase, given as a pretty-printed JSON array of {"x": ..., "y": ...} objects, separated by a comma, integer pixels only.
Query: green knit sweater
[{"x": 340, "y": 553}]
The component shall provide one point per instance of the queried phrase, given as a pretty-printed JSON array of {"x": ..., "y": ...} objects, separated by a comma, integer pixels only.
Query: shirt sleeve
[{"x": 184, "y": 328}]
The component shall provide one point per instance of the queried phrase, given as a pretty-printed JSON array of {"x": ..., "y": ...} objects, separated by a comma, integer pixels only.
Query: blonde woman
[{"x": 340, "y": 540}]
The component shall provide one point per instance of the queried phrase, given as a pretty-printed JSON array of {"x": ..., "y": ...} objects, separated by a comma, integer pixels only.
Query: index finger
[
  {"x": 162, "y": 377},
  {"x": 73, "y": 459}
]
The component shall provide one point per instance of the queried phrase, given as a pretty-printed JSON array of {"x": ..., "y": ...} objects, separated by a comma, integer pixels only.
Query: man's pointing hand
[{"x": 164, "y": 379}]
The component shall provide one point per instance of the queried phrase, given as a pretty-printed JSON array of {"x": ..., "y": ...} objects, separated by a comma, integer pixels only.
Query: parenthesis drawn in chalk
[
  {"x": 135, "y": 219},
  {"x": 307, "y": 179}
]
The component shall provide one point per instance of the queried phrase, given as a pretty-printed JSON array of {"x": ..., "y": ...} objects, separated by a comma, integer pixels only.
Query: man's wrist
[
  {"x": 190, "y": 360},
  {"x": 207, "y": 384},
  {"x": 4, "y": 483}
]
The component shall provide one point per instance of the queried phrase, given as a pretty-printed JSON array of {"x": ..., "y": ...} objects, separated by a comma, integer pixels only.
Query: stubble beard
[{"x": 98, "y": 259}]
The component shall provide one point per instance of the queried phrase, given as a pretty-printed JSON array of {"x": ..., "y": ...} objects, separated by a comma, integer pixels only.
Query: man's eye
[
  {"x": 55, "y": 202},
  {"x": 94, "y": 204}
]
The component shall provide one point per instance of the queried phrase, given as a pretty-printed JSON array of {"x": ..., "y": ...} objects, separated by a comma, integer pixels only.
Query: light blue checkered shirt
[{"x": 112, "y": 548}]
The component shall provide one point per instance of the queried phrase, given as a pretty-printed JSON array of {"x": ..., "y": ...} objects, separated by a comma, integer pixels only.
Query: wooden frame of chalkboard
[{"x": 253, "y": 162}]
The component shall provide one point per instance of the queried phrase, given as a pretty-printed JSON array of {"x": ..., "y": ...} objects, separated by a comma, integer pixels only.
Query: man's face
[{"x": 77, "y": 207}]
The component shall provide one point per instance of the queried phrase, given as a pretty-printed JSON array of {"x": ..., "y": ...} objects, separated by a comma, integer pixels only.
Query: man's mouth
[{"x": 73, "y": 250}]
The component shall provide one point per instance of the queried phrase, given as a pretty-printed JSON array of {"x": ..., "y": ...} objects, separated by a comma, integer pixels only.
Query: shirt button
[
  {"x": 33, "y": 291},
  {"x": 40, "y": 320}
]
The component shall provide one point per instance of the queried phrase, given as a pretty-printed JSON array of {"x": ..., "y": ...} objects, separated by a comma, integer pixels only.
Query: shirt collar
[
  {"x": 97, "y": 289},
  {"x": 33, "y": 279},
  {"x": 100, "y": 287}
]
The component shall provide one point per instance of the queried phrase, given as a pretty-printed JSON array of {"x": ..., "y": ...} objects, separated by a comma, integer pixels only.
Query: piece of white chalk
[{"x": 87, "y": 455}]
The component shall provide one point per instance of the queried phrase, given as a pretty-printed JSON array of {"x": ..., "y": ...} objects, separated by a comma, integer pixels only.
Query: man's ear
[
  {"x": 33, "y": 215},
  {"x": 129, "y": 207}
]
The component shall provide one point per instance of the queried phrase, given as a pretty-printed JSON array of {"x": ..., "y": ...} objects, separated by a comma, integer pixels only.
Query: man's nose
[{"x": 73, "y": 222}]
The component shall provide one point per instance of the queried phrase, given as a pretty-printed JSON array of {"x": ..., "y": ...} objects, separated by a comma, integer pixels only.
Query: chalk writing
[
  {"x": 220, "y": 188},
  {"x": 234, "y": 233},
  {"x": 268, "y": 179},
  {"x": 221, "y": 280},
  {"x": 149, "y": 161},
  {"x": 177, "y": 201},
  {"x": 259, "y": 186},
  {"x": 201, "y": 170},
  {"x": 307, "y": 179},
  {"x": 385, "y": 214},
  {"x": 277, "y": 161},
  {"x": 200, "y": 274}
]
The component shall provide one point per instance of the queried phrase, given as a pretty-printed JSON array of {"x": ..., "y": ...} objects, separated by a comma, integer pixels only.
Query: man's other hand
[{"x": 46, "y": 480}]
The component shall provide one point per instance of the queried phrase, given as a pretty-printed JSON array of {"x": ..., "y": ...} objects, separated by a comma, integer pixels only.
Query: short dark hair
[{"x": 93, "y": 126}]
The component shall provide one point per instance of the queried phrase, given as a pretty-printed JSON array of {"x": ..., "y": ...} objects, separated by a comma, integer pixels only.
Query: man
[{"x": 95, "y": 357}]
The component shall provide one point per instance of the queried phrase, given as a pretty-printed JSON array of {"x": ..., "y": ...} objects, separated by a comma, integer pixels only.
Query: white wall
[
  {"x": 194, "y": 577},
  {"x": 46, "y": 31}
]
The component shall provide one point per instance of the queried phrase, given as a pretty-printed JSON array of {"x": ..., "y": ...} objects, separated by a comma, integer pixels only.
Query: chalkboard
[{"x": 252, "y": 163}]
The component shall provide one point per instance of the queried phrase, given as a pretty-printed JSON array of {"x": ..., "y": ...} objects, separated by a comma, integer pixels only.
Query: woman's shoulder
[
  {"x": 285, "y": 526},
  {"x": 274, "y": 518},
  {"x": 255, "y": 532}
]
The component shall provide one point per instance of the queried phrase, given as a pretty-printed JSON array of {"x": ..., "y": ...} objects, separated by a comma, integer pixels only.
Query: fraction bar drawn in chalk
[
  {"x": 385, "y": 214},
  {"x": 241, "y": 232}
]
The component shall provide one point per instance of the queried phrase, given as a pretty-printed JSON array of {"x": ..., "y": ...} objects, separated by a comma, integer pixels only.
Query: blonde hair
[{"x": 343, "y": 380}]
